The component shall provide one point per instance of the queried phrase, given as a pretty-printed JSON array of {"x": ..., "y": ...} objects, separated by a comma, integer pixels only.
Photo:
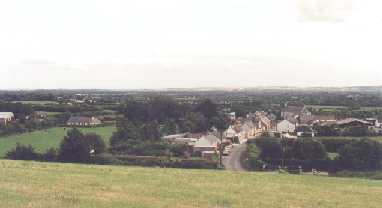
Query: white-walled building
[
  {"x": 6, "y": 117},
  {"x": 286, "y": 126}
]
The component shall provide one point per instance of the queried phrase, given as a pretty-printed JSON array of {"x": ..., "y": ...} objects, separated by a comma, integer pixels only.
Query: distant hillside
[{"x": 32, "y": 184}]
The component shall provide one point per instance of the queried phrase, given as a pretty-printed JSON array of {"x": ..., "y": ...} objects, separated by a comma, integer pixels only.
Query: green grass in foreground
[
  {"x": 45, "y": 139},
  {"x": 46, "y": 185}
]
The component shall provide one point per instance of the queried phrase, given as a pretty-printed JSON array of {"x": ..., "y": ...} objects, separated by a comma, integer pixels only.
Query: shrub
[
  {"x": 364, "y": 154},
  {"x": 270, "y": 148},
  {"x": 354, "y": 174},
  {"x": 21, "y": 152},
  {"x": 253, "y": 162},
  {"x": 77, "y": 147},
  {"x": 356, "y": 131},
  {"x": 106, "y": 159},
  {"x": 308, "y": 149},
  {"x": 334, "y": 144},
  {"x": 273, "y": 152},
  {"x": 50, "y": 155}
]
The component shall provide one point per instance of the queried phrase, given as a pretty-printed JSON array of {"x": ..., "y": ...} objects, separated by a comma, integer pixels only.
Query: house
[
  {"x": 264, "y": 123},
  {"x": 230, "y": 133},
  {"x": 6, "y": 117},
  {"x": 291, "y": 112},
  {"x": 232, "y": 115},
  {"x": 316, "y": 119},
  {"x": 299, "y": 114},
  {"x": 40, "y": 114},
  {"x": 374, "y": 121},
  {"x": 207, "y": 143},
  {"x": 286, "y": 126},
  {"x": 304, "y": 131},
  {"x": 173, "y": 137},
  {"x": 82, "y": 121},
  {"x": 377, "y": 131},
  {"x": 182, "y": 139},
  {"x": 353, "y": 122},
  {"x": 245, "y": 131}
]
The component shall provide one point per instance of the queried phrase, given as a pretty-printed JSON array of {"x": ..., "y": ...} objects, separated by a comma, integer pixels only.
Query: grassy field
[
  {"x": 45, "y": 139},
  {"x": 42, "y": 102},
  {"x": 45, "y": 185}
]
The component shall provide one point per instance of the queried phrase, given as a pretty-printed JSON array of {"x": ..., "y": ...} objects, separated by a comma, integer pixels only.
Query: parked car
[{"x": 227, "y": 150}]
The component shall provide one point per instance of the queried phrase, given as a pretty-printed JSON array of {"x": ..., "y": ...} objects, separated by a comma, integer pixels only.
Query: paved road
[{"x": 232, "y": 162}]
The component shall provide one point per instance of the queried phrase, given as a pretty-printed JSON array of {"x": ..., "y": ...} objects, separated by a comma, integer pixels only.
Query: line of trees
[
  {"x": 139, "y": 133},
  {"x": 354, "y": 155}
]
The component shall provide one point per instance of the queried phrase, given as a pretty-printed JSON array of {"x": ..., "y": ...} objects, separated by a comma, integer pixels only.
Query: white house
[
  {"x": 207, "y": 143},
  {"x": 286, "y": 126},
  {"x": 232, "y": 116},
  {"x": 374, "y": 121},
  {"x": 83, "y": 121},
  {"x": 6, "y": 117},
  {"x": 230, "y": 133}
]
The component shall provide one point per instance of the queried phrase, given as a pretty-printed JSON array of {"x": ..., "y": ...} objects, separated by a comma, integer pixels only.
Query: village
[
  {"x": 189, "y": 129},
  {"x": 297, "y": 122}
]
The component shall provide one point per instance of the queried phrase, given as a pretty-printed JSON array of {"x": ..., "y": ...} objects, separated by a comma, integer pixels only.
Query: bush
[
  {"x": 77, "y": 147},
  {"x": 270, "y": 148},
  {"x": 253, "y": 162},
  {"x": 356, "y": 131},
  {"x": 50, "y": 155},
  {"x": 106, "y": 159},
  {"x": 334, "y": 144},
  {"x": 308, "y": 149},
  {"x": 361, "y": 155},
  {"x": 352, "y": 174},
  {"x": 325, "y": 130},
  {"x": 273, "y": 152},
  {"x": 21, "y": 152},
  {"x": 150, "y": 161}
]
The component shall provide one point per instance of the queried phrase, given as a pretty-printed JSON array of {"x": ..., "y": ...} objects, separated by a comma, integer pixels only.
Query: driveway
[{"x": 233, "y": 160}]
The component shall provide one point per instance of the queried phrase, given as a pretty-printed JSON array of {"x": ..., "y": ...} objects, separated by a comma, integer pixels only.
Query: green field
[
  {"x": 45, "y": 185},
  {"x": 42, "y": 102},
  {"x": 45, "y": 139}
]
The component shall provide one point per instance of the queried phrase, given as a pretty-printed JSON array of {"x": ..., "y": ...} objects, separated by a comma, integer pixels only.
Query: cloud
[{"x": 325, "y": 10}]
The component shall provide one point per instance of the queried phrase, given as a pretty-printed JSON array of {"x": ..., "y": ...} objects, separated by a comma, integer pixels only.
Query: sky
[{"x": 151, "y": 44}]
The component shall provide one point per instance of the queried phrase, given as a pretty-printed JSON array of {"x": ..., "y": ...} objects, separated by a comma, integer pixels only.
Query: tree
[
  {"x": 126, "y": 130},
  {"x": 170, "y": 127},
  {"x": 195, "y": 122},
  {"x": 325, "y": 130},
  {"x": 364, "y": 154},
  {"x": 207, "y": 108},
  {"x": 150, "y": 131},
  {"x": 21, "y": 152},
  {"x": 221, "y": 123},
  {"x": 77, "y": 147},
  {"x": 95, "y": 143},
  {"x": 308, "y": 149},
  {"x": 271, "y": 148}
]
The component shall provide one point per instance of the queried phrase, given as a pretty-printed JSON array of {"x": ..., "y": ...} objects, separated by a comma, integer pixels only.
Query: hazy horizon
[{"x": 148, "y": 44}]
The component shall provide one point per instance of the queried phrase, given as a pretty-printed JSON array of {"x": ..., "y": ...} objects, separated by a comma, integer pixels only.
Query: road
[{"x": 232, "y": 161}]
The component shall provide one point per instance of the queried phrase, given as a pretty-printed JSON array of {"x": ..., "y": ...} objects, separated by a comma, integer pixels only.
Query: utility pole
[
  {"x": 221, "y": 150},
  {"x": 283, "y": 152}
]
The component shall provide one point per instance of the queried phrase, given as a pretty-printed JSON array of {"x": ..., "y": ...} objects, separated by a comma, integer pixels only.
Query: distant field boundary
[
  {"x": 36, "y": 102},
  {"x": 341, "y": 107}
]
